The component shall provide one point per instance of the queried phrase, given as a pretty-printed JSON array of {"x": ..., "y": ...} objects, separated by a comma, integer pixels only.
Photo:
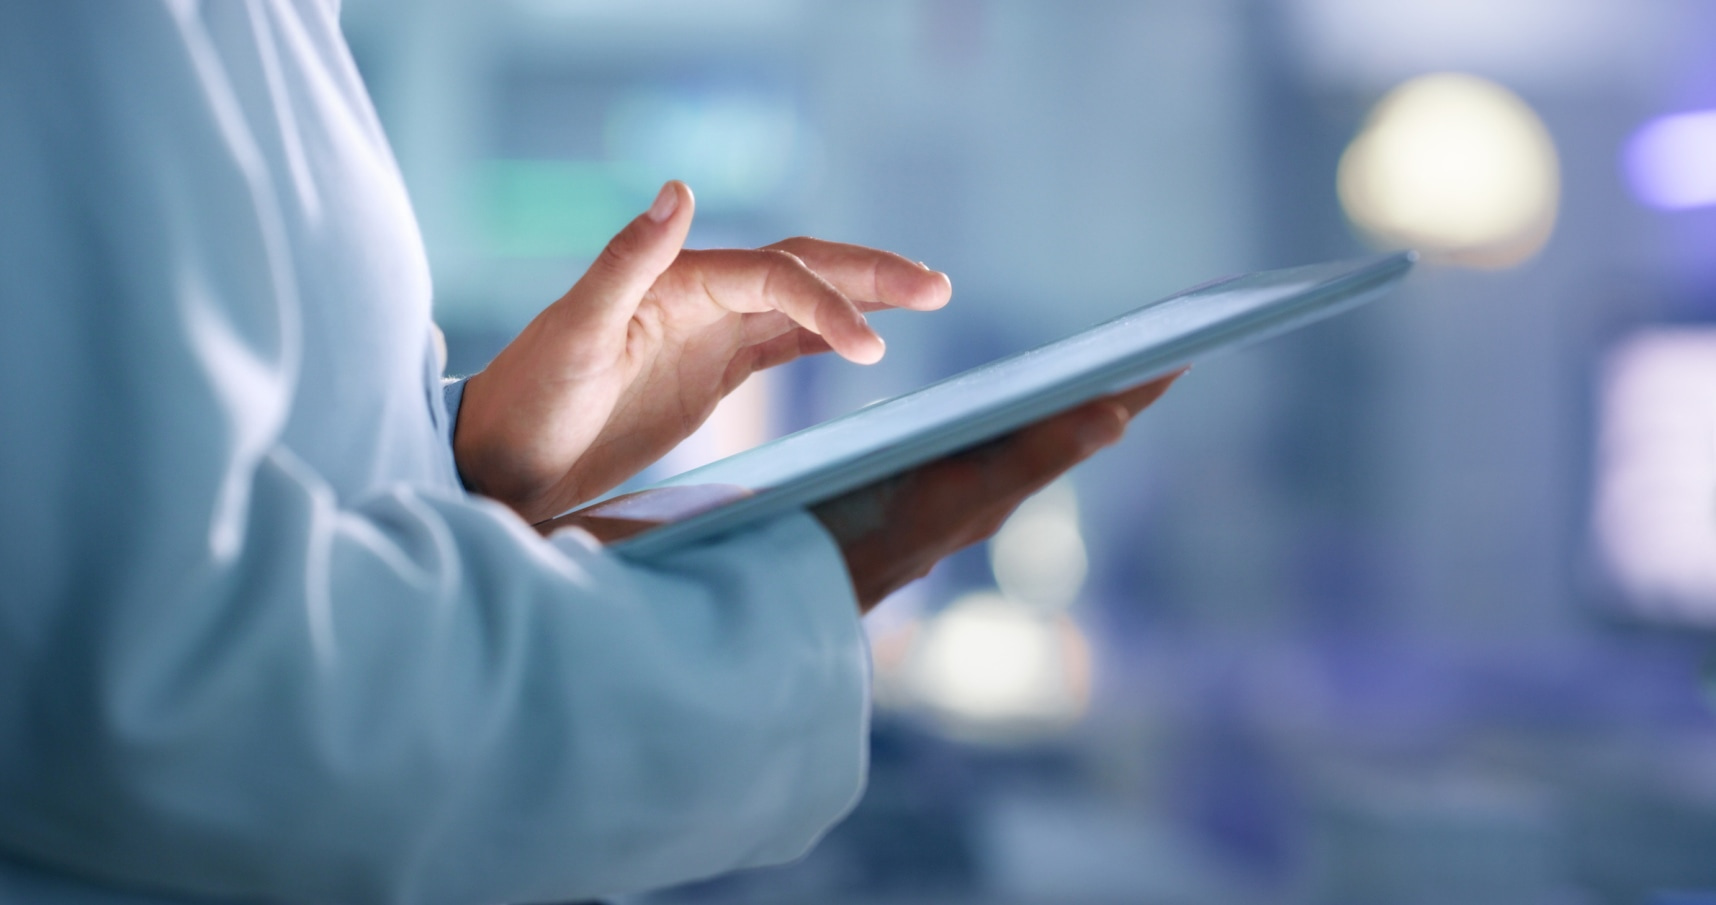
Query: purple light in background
[{"x": 1672, "y": 161}]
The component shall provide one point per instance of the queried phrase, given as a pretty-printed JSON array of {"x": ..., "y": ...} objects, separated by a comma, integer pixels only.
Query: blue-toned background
[{"x": 1405, "y": 608}]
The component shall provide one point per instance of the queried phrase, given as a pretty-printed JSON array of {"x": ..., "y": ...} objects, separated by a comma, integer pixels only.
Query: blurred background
[{"x": 1409, "y": 607}]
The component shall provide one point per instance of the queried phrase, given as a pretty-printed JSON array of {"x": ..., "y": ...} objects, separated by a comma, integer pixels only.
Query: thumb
[{"x": 609, "y": 292}]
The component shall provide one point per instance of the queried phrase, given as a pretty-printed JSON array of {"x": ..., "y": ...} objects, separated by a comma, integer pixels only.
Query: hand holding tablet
[
  {"x": 635, "y": 356},
  {"x": 894, "y": 531},
  {"x": 822, "y": 467}
]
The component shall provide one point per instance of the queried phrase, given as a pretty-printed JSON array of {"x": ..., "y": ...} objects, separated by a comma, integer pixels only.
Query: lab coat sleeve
[{"x": 218, "y": 679}]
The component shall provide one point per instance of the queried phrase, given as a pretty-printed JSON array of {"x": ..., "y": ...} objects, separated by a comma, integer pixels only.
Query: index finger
[{"x": 870, "y": 276}]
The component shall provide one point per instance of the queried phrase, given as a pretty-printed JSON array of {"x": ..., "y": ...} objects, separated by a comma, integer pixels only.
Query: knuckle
[
  {"x": 780, "y": 258},
  {"x": 619, "y": 253}
]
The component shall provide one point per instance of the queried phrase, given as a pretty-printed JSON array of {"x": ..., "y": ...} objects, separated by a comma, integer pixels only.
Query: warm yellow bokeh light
[{"x": 1456, "y": 166}]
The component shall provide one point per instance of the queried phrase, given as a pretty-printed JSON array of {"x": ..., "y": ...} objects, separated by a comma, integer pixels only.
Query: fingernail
[
  {"x": 877, "y": 348},
  {"x": 665, "y": 204}
]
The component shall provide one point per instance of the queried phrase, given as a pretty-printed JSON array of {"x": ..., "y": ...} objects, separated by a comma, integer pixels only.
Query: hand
[
  {"x": 893, "y": 532},
  {"x": 634, "y": 357}
]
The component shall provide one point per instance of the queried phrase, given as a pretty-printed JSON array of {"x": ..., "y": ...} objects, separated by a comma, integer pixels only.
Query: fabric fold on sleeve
[{"x": 223, "y": 676}]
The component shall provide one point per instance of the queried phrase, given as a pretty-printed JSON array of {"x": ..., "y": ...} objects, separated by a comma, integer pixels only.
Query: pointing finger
[
  {"x": 784, "y": 348},
  {"x": 870, "y": 276}
]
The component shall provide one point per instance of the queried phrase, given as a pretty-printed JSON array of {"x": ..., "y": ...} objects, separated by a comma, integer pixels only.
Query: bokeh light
[
  {"x": 989, "y": 666},
  {"x": 1456, "y": 166},
  {"x": 737, "y": 148},
  {"x": 1671, "y": 162},
  {"x": 744, "y": 419},
  {"x": 1655, "y": 499},
  {"x": 1038, "y": 556}
]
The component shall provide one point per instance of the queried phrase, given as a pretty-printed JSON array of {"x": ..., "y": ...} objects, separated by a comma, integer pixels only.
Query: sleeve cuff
[{"x": 452, "y": 396}]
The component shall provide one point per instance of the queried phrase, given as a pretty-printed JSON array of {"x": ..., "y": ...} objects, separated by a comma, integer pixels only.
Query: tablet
[{"x": 885, "y": 438}]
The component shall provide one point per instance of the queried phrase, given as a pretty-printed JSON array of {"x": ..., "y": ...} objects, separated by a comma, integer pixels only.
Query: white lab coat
[{"x": 255, "y": 641}]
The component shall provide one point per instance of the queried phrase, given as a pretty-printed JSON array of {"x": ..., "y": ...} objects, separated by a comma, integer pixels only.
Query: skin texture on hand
[
  {"x": 635, "y": 357},
  {"x": 893, "y": 532}
]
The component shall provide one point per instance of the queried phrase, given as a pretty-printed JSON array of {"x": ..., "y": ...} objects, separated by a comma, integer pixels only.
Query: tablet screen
[{"x": 888, "y": 437}]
